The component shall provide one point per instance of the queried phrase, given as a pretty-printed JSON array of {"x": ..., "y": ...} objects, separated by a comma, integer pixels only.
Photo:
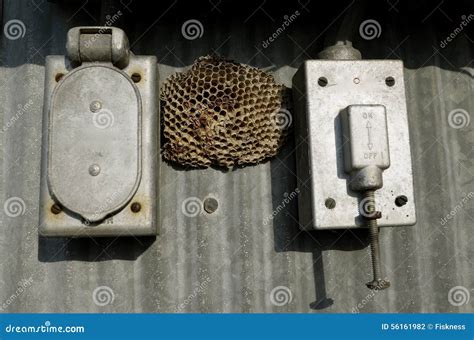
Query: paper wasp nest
[{"x": 222, "y": 113}]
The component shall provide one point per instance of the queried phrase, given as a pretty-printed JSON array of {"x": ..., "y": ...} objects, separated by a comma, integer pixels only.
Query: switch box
[{"x": 351, "y": 115}]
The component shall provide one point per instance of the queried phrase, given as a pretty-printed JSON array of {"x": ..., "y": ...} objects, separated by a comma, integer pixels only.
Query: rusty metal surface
[{"x": 248, "y": 255}]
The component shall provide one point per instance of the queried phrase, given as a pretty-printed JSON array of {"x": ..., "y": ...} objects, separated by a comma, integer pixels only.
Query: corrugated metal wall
[{"x": 231, "y": 260}]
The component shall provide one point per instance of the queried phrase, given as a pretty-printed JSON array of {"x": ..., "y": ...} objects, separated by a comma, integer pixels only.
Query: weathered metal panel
[{"x": 232, "y": 260}]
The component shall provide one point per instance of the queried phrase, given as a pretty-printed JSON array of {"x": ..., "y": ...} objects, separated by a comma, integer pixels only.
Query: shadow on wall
[
  {"x": 407, "y": 30},
  {"x": 57, "y": 249},
  {"x": 287, "y": 235}
]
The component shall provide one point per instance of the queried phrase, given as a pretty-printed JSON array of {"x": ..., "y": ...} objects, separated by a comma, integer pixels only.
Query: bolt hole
[
  {"x": 135, "y": 207},
  {"x": 322, "y": 81},
  {"x": 136, "y": 77},
  {"x": 390, "y": 81},
  {"x": 401, "y": 200},
  {"x": 59, "y": 76},
  {"x": 330, "y": 203}
]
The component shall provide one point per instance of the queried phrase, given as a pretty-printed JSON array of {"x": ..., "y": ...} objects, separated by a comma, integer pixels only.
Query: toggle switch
[
  {"x": 366, "y": 151},
  {"x": 366, "y": 156}
]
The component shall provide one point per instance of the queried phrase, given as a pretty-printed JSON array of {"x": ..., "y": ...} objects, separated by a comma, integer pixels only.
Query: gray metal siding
[{"x": 233, "y": 251}]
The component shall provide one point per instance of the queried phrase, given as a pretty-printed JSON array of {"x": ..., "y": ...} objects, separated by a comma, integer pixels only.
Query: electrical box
[
  {"x": 100, "y": 134},
  {"x": 351, "y": 115}
]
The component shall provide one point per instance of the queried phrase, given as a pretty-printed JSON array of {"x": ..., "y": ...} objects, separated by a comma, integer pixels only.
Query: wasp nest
[{"x": 222, "y": 113}]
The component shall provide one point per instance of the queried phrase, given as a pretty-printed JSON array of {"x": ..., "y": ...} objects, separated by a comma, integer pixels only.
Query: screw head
[
  {"x": 135, "y": 207},
  {"x": 94, "y": 170},
  {"x": 56, "y": 208},
  {"x": 330, "y": 203},
  {"x": 401, "y": 200},
  {"x": 210, "y": 205},
  {"x": 95, "y": 106}
]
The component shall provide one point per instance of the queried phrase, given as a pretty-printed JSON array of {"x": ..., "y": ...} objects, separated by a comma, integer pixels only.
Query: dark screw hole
[
  {"x": 330, "y": 203},
  {"x": 59, "y": 76},
  {"x": 136, "y": 77},
  {"x": 322, "y": 81},
  {"x": 56, "y": 208},
  {"x": 401, "y": 200},
  {"x": 210, "y": 205},
  {"x": 390, "y": 81},
  {"x": 135, "y": 207}
]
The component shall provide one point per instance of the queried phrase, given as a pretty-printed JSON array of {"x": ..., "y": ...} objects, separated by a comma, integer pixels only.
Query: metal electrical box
[
  {"x": 100, "y": 134},
  {"x": 371, "y": 94}
]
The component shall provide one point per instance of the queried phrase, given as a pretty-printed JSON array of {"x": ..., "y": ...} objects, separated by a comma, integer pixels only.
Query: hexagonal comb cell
[{"x": 222, "y": 113}]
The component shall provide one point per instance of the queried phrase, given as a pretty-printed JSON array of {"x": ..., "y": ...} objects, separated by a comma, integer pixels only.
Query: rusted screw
[
  {"x": 56, "y": 208},
  {"x": 59, "y": 76},
  {"x": 371, "y": 221},
  {"x": 136, "y": 77},
  {"x": 135, "y": 207}
]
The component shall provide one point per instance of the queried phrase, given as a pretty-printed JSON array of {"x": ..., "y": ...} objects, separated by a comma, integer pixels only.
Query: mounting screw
[
  {"x": 210, "y": 205},
  {"x": 94, "y": 170},
  {"x": 371, "y": 215},
  {"x": 95, "y": 106},
  {"x": 135, "y": 207},
  {"x": 401, "y": 200},
  {"x": 330, "y": 203},
  {"x": 56, "y": 208}
]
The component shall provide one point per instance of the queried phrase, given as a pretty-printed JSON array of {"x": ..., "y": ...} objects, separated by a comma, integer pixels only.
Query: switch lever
[{"x": 366, "y": 156}]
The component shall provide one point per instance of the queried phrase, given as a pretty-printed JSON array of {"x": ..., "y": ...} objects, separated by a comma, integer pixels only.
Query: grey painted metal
[
  {"x": 365, "y": 146},
  {"x": 83, "y": 144},
  {"x": 231, "y": 260},
  {"x": 320, "y": 142},
  {"x": 98, "y": 44},
  {"x": 100, "y": 142}
]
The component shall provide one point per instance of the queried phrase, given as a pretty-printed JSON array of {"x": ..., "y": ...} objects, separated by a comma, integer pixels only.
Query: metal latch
[{"x": 101, "y": 127}]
